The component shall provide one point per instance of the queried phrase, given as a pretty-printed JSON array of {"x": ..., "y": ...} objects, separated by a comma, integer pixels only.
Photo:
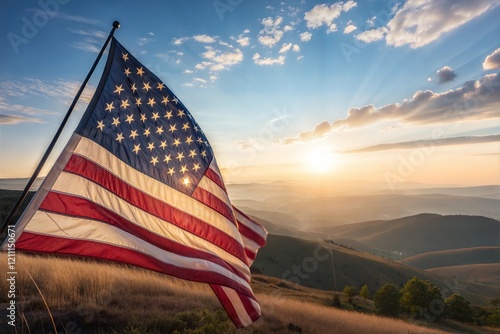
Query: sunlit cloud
[
  {"x": 420, "y": 22},
  {"x": 204, "y": 39},
  {"x": 271, "y": 33},
  {"x": 372, "y": 35},
  {"x": 464, "y": 140},
  {"x": 350, "y": 27},
  {"x": 492, "y": 62},
  {"x": 16, "y": 119},
  {"x": 305, "y": 36},
  {"x": 141, "y": 41},
  {"x": 474, "y": 100}
]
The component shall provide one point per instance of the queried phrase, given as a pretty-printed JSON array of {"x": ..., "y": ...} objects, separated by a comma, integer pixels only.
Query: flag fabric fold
[{"x": 138, "y": 183}]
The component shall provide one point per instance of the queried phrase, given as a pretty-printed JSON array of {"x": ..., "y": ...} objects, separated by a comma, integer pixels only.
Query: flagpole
[{"x": 27, "y": 188}]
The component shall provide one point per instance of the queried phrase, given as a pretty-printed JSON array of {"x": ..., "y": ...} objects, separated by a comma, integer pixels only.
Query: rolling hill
[
  {"x": 478, "y": 273},
  {"x": 456, "y": 257}
]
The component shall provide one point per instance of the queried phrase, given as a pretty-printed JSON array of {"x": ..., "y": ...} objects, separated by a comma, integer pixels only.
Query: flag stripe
[
  {"x": 98, "y": 155},
  {"x": 215, "y": 177},
  {"x": 214, "y": 203},
  {"x": 83, "y": 208},
  {"x": 245, "y": 220},
  {"x": 77, "y": 231},
  {"x": 250, "y": 234},
  {"x": 105, "y": 179}
]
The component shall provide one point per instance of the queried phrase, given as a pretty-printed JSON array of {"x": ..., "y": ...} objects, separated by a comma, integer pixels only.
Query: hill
[
  {"x": 488, "y": 274},
  {"x": 456, "y": 257},
  {"x": 330, "y": 267},
  {"x": 421, "y": 233}
]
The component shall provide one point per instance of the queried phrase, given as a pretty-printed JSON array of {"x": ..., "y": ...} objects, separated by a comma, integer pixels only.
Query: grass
[{"x": 96, "y": 297}]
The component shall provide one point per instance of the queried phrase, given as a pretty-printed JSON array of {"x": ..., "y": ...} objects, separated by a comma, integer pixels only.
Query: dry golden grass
[{"x": 108, "y": 298}]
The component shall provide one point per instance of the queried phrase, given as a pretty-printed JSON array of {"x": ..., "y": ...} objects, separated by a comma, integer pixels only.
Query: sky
[{"x": 393, "y": 92}]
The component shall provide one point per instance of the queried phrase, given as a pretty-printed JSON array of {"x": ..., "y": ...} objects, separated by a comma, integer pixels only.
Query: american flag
[{"x": 138, "y": 183}]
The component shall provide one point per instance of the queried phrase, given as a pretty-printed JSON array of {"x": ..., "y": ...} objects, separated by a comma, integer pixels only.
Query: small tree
[
  {"x": 350, "y": 291},
  {"x": 422, "y": 298},
  {"x": 336, "y": 301},
  {"x": 458, "y": 308},
  {"x": 387, "y": 300},
  {"x": 364, "y": 292}
]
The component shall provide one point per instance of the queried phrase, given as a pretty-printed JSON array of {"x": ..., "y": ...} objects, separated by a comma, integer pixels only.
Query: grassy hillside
[
  {"x": 455, "y": 257},
  {"x": 479, "y": 273},
  {"x": 91, "y": 297}
]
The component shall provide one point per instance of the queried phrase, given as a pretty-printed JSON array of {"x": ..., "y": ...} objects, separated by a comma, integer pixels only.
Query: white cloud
[
  {"x": 204, "y": 39},
  {"x": 187, "y": 71},
  {"x": 179, "y": 41},
  {"x": 271, "y": 33},
  {"x": 300, "y": 57},
  {"x": 145, "y": 40},
  {"x": 420, "y": 22},
  {"x": 492, "y": 62},
  {"x": 287, "y": 28},
  {"x": 305, "y": 36},
  {"x": 16, "y": 119},
  {"x": 296, "y": 48},
  {"x": 286, "y": 47},
  {"x": 243, "y": 41},
  {"x": 371, "y": 21},
  {"x": 267, "y": 60},
  {"x": 350, "y": 27},
  {"x": 217, "y": 60},
  {"x": 325, "y": 15},
  {"x": 372, "y": 35}
]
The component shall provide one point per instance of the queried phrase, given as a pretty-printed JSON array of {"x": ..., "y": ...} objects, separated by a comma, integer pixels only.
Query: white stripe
[
  {"x": 154, "y": 188},
  {"x": 81, "y": 187},
  {"x": 214, "y": 188},
  {"x": 257, "y": 228},
  {"x": 250, "y": 244},
  {"x": 55, "y": 225},
  {"x": 238, "y": 306}
]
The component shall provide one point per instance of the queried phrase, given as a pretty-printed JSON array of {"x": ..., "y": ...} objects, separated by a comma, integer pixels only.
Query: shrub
[{"x": 387, "y": 300}]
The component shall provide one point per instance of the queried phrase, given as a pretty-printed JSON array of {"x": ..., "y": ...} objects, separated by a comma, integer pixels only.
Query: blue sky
[{"x": 282, "y": 89}]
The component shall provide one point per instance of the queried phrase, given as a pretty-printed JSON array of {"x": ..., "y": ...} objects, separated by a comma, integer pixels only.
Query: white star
[
  {"x": 133, "y": 134},
  {"x": 185, "y": 181},
  {"x": 133, "y": 88},
  {"x": 100, "y": 125},
  {"x": 147, "y": 132},
  {"x": 138, "y": 101},
  {"x": 172, "y": 128},
  {"x": 155, "y": 116},
  {"x": 120, "y": 137},
  {"x": 160, "y": 130},
  {"x": 143, "y": 117},
  {"x": 151, "y": 146},
  {"x": 199, "y": 140},
  {"x": 109, "y": 106},
  {"x": 127, "y": 71},
  {"x": 163, "y": 144},
  {"x": 192, "y": 153},
  {"x": 160, "y": 86},
  {"x": 168, "y": 114},
  {"x": 180, "y": 156},
  {"x": 118, "y": 89},
  {"x": 151, "y": 102},
  {"x": 196, "y": 129},
  {"x": 204, "y": 153},
  {"x": 116, "y": 121},
  {"x": 137, "y": 148},
  {"x": 196, "y": 167},
  {"x": 125, "y": 104},
  {"x": 125, "y": 56},
  {"x": 165, "y": 100},
  {"x": 168, "y": 158},
  {"x": 181, "y": 113},
  {"x": 140, "y": 71},
  {"x": 146, "y": 86},
  {"x": 175, "y": 100},
  {"x": 171, "y": 171},
  {"x": 184, "y": 169},
  {"x": 154, "y": 160},
  {"x": 130, "y": 119},
  {"x": 189, "y": 140},
  {"x": 185, "y": 126},
  {"x": 177, "y": 142}
]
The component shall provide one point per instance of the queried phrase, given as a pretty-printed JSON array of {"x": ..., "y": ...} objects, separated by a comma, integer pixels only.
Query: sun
[{"x": 320, "y": 161}]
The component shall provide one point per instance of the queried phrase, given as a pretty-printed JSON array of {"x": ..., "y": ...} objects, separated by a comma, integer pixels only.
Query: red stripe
[
  {"x": 215, "y": 178},
  {"x": 214, "y": 203},
  {"x": 250, "y": 234},
  {"x": 228, "y": 305},
  {"x": 83, "y": 167},
  {"x": 250, "y": 254},
  {"x": 83, "y": 208},
  {"x": 48, "y": 244}
]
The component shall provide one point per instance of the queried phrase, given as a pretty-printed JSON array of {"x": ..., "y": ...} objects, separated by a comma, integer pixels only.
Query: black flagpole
[{"x": 9, "y": 218}]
